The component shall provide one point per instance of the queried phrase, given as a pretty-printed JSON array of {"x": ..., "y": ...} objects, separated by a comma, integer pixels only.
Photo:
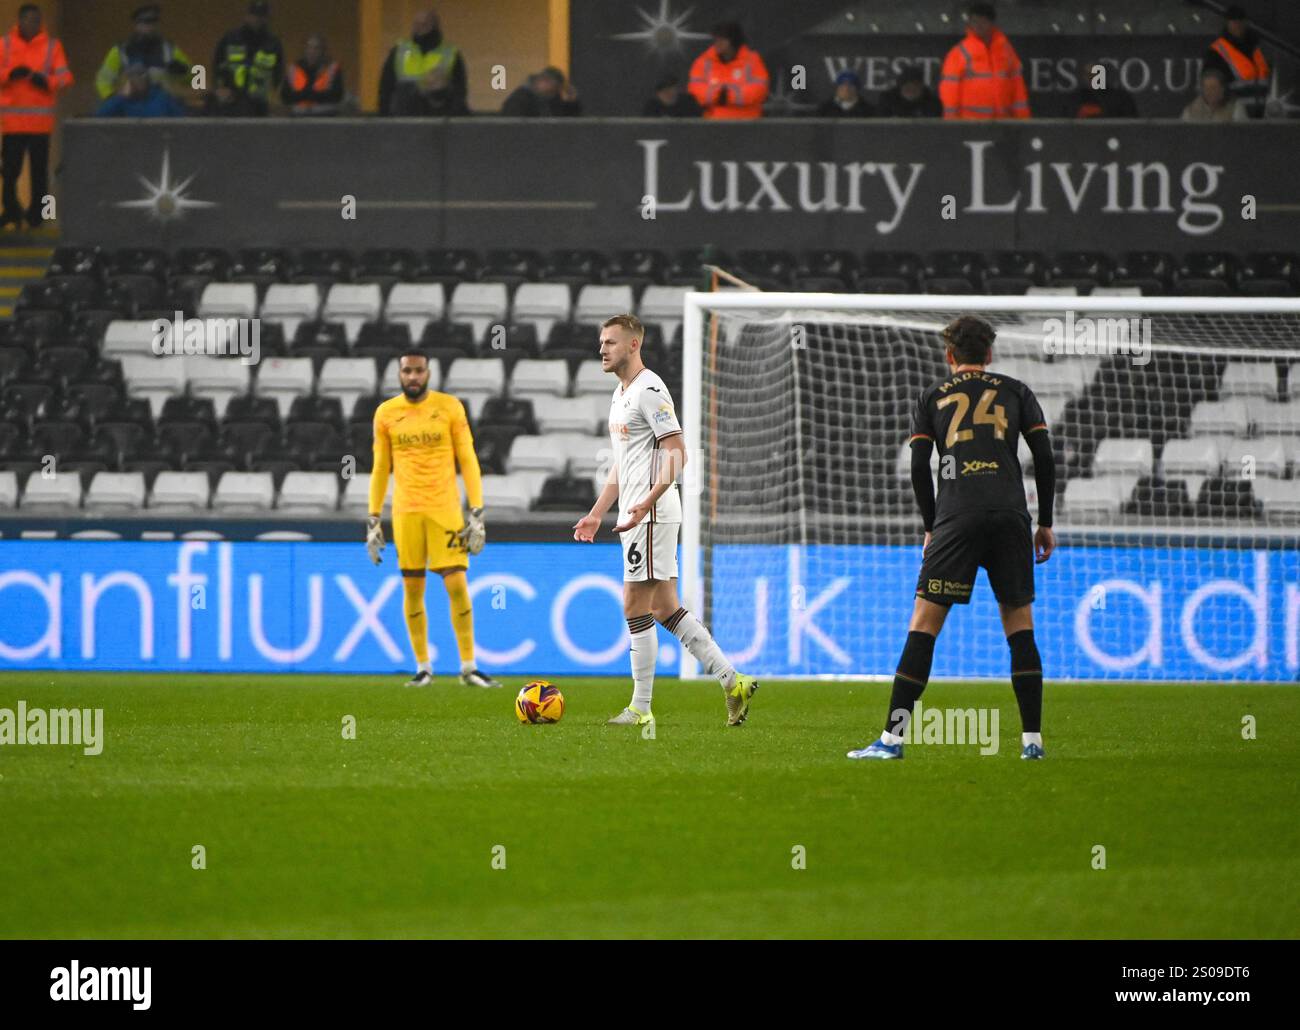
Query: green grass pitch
[{"x": 607, "y": 834}]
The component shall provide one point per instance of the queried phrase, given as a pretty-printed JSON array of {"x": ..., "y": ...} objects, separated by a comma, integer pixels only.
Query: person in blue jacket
[{"x": 140, "y": 97}]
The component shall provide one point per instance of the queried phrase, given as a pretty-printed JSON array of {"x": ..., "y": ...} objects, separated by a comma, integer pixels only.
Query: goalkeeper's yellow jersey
[{"x": 421, "y": 443}]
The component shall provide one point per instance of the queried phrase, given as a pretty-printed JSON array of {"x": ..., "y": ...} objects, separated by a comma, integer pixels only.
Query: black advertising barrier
[{"x": 624, "y": 183}]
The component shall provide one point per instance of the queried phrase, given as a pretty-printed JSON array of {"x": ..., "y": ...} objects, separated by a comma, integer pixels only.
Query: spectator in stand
[
  {"x": 314, "y": 85},
  {"x": 252, "y": 59},
  {"x": 982, "y": 76},
  {"x": 141, "y": 97},
  {"x": 1213, "y": 104},
  {"x": 33, "y": 68},
  {"x": 669, "y": 100},
  {"x": 910, "y": 97},
  {"x": 846, "y": 101},
  {"x": 1237, "y": 54},
  {"x": 1100, "y": 96},
  {"x": 431, "y": 97},
  {"x": 544, "y": 95},
  {"x": 167, "y": 64},
  {"x": 225, "y": 101},
  {"x": 406, "y": 72},
  {"x": 729, "y": 80}
]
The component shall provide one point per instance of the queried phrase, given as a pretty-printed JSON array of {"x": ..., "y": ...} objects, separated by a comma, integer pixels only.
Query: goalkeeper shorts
[
  {"x": 650, "y": 551},
  {"x": 424, "y": 543}
]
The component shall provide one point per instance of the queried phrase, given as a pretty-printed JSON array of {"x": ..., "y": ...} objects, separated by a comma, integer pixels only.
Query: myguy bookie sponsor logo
[
  {"x": 80, "y": 727},
  {"x": 1105, "y": 337},
  {"x": 214, "y": 337},
  {"x": 102, "y": 983},
  {"x": 960, "y": 726}
]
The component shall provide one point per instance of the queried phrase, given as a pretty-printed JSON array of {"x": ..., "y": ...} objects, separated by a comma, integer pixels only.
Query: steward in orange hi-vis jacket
[
  {"x": 729, "y": 80},
  {"x": 982, "y": 76}
]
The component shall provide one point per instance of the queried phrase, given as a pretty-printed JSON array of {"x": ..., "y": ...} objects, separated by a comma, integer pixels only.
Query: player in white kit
[{"x": 649, "y": 454}]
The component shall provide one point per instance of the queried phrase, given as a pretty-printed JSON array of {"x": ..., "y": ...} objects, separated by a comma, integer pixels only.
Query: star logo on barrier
[
  {"x": 664, "y": 31},
  {"x": 165, "y": 200}
]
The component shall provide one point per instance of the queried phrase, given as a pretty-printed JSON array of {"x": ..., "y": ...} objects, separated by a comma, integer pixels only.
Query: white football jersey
[{"x": 639, "y": 417}]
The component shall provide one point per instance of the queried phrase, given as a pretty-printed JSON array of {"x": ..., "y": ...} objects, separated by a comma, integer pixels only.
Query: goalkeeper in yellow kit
[{"x": 421, "y": 436}]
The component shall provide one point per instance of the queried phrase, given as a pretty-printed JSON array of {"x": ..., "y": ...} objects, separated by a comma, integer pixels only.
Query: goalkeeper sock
[
  {"x": 417, "y": 624},
  {"x": 462, "y": 616},
  {"x": 912, "y": 675},
  {"x": 645, "y": 648},
  {"x": 1027, "y": 679},
  {"x": 700, "y": 643}
]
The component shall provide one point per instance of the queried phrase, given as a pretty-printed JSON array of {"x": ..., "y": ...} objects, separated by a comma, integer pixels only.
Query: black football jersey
[{"x": 976, "y": 419}]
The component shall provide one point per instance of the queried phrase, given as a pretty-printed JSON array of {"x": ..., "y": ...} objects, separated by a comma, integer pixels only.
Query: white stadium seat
[
  {"x": 592, "y": 379},
  {"x": 1228, "y": 418},
  {"x": 309, "y": 492},
  {"x": 356, "y": 494},
  {"x": 1263, "y": 456},
  {"x": 479, "y": 305},
  {"x": 347, "y": 379},
  {"x": 116, "y": 491},
  {"x": 290, "y": 304},
  {"x": 1196, "y": 457},
  {"x": 572, "y": 415},
  {"x": 542, "y": 382},
  {"x": 228, "y": 300},
  {"x": 1293, "y": 381},
  {"x": 415, "y": 305},
  {"x": 597, "y": 303},
  {"x": 1280, "y": 498},
  {"x": 1249, "y": 379},
  {"x": 284, "y": 379},
  {"x": 154, "y": 378},
  {"x": 218, "y": 379},
  {"x": 1281, "y": 419},
  {"x": 244, "y": 492},
  {"x": 542, "y": 305},
  {"x": 1118, "y": 457},
  {"x": 587, "y": 454},
  {"x": 128, "y": 336},
  {"x": 1095, "y": 499},
  {"x": 536, "y": 453},
  {"x": 180, "y": 491},
  {"x": 474, "y": 380},
  {"x": 57, "y": 493},
  {"x": 8, "y": 489},
  {"x": 663, "y": 305},
  {"x": 903, "y": 463},
  {"x": 353, "y": 304},
  {"x": 505, "y": 495}
]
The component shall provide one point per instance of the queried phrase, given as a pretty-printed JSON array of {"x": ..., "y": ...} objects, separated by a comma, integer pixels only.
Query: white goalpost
[{"x": 1176, "y": 429}]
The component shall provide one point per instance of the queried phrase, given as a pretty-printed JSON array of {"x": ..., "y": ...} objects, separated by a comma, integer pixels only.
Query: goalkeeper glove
[
  {"x": 473, "y": 534},
  {"x": 374, "y": 539}
]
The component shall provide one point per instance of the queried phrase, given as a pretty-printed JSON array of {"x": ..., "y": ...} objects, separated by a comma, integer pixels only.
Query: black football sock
[
  {"x": 909, "y": 680},
  {"x": 1027, "y": 679}
]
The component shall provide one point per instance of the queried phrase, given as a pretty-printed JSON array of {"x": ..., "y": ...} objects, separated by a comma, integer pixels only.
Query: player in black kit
[{"x": 975, "y": 418}]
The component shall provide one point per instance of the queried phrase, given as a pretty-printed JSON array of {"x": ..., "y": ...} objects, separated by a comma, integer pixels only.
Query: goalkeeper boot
[
  {"x": 742, "y": 689},
  {"x": 878, "y": 750},
  {"x": 420, "y": 679},
  {"x": 474, "y": 678},
  {"x": 1033, "y": 751},
  {"x": 630, "y": 716}
]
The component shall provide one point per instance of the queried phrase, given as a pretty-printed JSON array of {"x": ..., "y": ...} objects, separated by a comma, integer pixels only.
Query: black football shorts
[{"x": 1001, "y": 542}]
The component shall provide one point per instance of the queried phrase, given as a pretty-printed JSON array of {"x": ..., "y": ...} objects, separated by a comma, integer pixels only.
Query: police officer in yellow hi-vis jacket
[
  {"x": 252, "y": 58},
  {"x": 411, "y": 60}
]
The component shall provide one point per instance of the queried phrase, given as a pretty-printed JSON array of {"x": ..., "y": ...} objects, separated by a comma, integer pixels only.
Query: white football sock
[
  {"x": 891, "y": 738},
  {"x": 645, "y": 649},
  {"x": 466, "y": 667},
  {"x": 698, "y": 641},
  {"x": 1031, "y": 738},
  {"x": 425, "y": 667}
]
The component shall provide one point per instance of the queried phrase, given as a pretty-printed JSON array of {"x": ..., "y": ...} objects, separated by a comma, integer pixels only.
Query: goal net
[{"x": 1176, "y": 429}]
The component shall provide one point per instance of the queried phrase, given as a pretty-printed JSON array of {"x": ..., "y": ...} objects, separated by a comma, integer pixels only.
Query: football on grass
[{"x": 539, "y": 702}]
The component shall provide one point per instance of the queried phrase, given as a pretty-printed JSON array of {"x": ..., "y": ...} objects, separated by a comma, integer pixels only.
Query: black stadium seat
[
  {"x": 636, "y": 268},
  {"x": 576, "y": 267},
  {"x": 251, "y": 408},
  {"x": 509, "y": 412},
  {"x": 387, "y": 263},
  {"x": 513, "y": 267},
  {"x": 333, "y": 264},
  {"x": 150, "y": 261},
  {"x": 311, "y": 408},
  {"x": 1084, "y": 270},
  {"x": 206, "y": 262},
  {"x": 262, "y": 266},
  {"x": 1222, "y": 498},
  {"x": 1269, "y": 274},
  {"x": 687, "y": 266},
  {"x": 1209, "y": 273},
  {"x": 1013, "y": 272},
  {"x": 767, "y": 269},
  {"x": 1151, "y": 271},
  {"x": 78, "y": 261},
  {"x": 889, "y": 271},
  {"x": 566, "y": 493},
  {"x": 1155, "y": 498},
  {"x": 449, "y": 267}
]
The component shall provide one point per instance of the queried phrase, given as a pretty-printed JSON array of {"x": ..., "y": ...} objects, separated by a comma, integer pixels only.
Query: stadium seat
[
  {"x": 217, "y": 379},
  {"x": 1208, "y": 273},
  {"x": 597, "y": 303},
  {"x": 542, "y": 305},
  {"x": 356, "y": 495},
  {"x": 566, "y": 493},
  {"x": 1279, "y": 499},
  {"x": 592, "y": 379},
  {"x": 449, "y": 267},
  {"x": 347, "y": 379},
  {"x": 513, "y": 267},
  {"x": 506, "y": 496},
  {"x": 1121, "y": 457},
  {"x": 587, "y": 454},
  {"x": 514, "y": 412},
  {"x": 903, "y": 462},
  {"x": 414, "y": 305},
  {"x": 1154, "y": 498},
  {"x": 154, "y": 379},
  {"x": 387, "y": 264},
  {"x": 1293, "y": 382},
  {"x": 290, "y": 304},
  {"x": 1223, "y": 498},
  {"x": 116, "y": 492},
  {"x": 332, "y": 264},
  {"x": 542, "y": 382},
  {"x": 479, "y": 305},
  {"x": 305, "y": 493},
  {"x": 1095, "y": 500},
  {"x": 767, "y": 269},
  {"x": 474, "y": 380},
  {"x": 576, "y": 268},
  {"x": 1249, "y": 379},
  {"x": 228, "y": 300},
  {"x": 244, "y": 492},
  {"x": 8, "y": 489},
  {"x": 178, "y": 492},
  {"x": 1269, "y": 275},
  {"x": 536, "y": 454},
  {"x": 662, "y": 305},
  {"x": 353, "y": 304},
  {"x": 1014, "y": 271},
  {"x": 1229, "y": 418},
  {"x": 55, "y": 438},
  {"x": 78, "y": 261},
  {"x": 128, "y": 337},
  {"x": 284, "y": 379},
  {"x": 151, "y": 261},
  {"x": 1149, "y": 271},
  {"x": 1083, "y": 270},
  {"x": 210, "y": 262},
  {"x": 1199, "y": 457},
  {"x": 1282, "y": 418},
  {"x": 250, "y": 408},
  {"x": 839, "y": 265},
  {"x": 58, "y": 493},
  {"x": 577, "y": 415},
  {"x": 636, "y": 268},
  {"x": 1262, "y": 456}
]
